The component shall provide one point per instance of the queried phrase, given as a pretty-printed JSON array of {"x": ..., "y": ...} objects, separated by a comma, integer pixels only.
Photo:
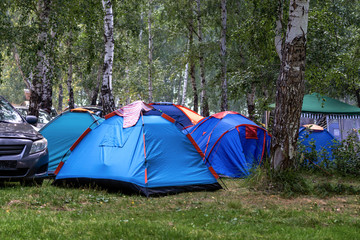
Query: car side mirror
[{"x": 31, "y": 119}]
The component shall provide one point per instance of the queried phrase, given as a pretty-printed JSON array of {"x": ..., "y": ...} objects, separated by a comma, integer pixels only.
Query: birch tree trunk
[
  {"x": 177, "y": 88},
  {"x": 224, "y": 101},
  {"x": 290, "y": 87},
  {"x": 60, "y": 98},
  {"x": 203, "y": 100},
  {"x": 186, "y": 76},
  {"x": 192, "y": 65},
  {"x": 150, "y": 60},
  {"x": 41, "y": 67},
  {"x": 194, "y": 86},
  {"x": 46, "y": 98},
  {"x": 141, "y": 34},
  {"x": 106, "y": 88},
  {"x": 69, "y": 86}
]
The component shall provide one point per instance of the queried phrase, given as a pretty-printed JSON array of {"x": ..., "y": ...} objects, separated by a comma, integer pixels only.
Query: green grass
[{"x": 49, "y": 212}]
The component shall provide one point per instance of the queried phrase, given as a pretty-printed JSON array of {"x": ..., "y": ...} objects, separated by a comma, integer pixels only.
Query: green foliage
[
  {"x": 347, "y": 156},
  {"x": 252, "y": 58},
  {"x": 332, "y": 48},
  {"x": 11, "y": 90},
  {"x": 333, "y": 43}
]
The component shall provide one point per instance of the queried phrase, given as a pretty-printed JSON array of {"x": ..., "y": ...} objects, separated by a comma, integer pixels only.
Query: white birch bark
[
  {"x": 150, "y": 53},
  {"x": 186, "y": 74},
  {"x": 203, "y": 98},
  {"x": 141, "y": 35},
  {"x": 95, "y": 92},
  {"x": 46, "y": 99},
  {"x": 192, "y": 62},
  {"x": 106, "y": 88},
  {"x": 186, "y": 77},
  {"x": 224, "y": 101},
  {"x": 60, "y": 98},
  {"x": 178, "y": 90},
  {"x": 290, "y": 87},
  {"x": 177, "y": 87}
]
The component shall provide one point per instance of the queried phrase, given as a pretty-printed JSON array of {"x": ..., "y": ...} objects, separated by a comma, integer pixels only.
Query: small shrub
[
  {"x": 329, "y": 189},
  {"x": 347, "y": 156},
  {"x": 289, "y": 183},
  {"x": 309, "y": 158}
]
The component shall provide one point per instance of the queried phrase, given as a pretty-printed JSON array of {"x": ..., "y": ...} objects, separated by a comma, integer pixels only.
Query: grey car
[
  {"x": 23, "y": 151},
  {"x": 43, "y": 118}
]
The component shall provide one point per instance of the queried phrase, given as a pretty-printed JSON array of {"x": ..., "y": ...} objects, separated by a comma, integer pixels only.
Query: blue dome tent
[
  {"x": 314, "y": 136},
  {"x": 183, "y": 115},
  {"x": 232, "y": 143},
  {"x": 145, "y": 153},
  {"x": 64, "y": 130}
]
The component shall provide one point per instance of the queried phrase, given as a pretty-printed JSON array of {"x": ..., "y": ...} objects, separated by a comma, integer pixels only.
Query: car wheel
[{"x": 32, "y": 182}]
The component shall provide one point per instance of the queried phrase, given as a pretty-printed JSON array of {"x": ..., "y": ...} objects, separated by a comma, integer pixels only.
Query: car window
[
  {"x": 22, "y": 111},
  {"x": 44, "y": 117},
  {"x": 8, "y": 114}
]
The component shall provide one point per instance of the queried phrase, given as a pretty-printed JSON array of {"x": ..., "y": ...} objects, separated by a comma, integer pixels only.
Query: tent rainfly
[
  {"x": 64, "y": 130},
  {"x": 137, "y": 150},
  {"x": 183, "y": 115},
  {"x": 232, "y": 143}
]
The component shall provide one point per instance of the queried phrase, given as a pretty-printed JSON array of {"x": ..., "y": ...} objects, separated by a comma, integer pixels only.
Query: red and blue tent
[
  {"x": 145, "y": 153},
  {"x": 183, "y": 115},
  {"x": 232, "y": 143}
]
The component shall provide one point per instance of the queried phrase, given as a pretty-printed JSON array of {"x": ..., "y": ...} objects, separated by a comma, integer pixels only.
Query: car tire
[{"x": 32, "y": 182}]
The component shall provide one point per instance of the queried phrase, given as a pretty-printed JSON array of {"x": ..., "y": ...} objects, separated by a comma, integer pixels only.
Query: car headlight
[{"x": 38, "y": 146}]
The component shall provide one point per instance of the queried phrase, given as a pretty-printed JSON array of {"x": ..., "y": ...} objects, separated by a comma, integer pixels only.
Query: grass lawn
[{"x": 49, "y": 212}]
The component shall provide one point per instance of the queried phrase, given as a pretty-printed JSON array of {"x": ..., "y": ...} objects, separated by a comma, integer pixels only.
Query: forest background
[
  {"x": 75, "y": 45},
  {"x": 210, "y": 56}
]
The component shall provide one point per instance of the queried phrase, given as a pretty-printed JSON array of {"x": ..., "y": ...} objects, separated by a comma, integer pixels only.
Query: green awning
[
  {"x": 319, "y": 104},
  {"x": 316, "y": 103}
]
